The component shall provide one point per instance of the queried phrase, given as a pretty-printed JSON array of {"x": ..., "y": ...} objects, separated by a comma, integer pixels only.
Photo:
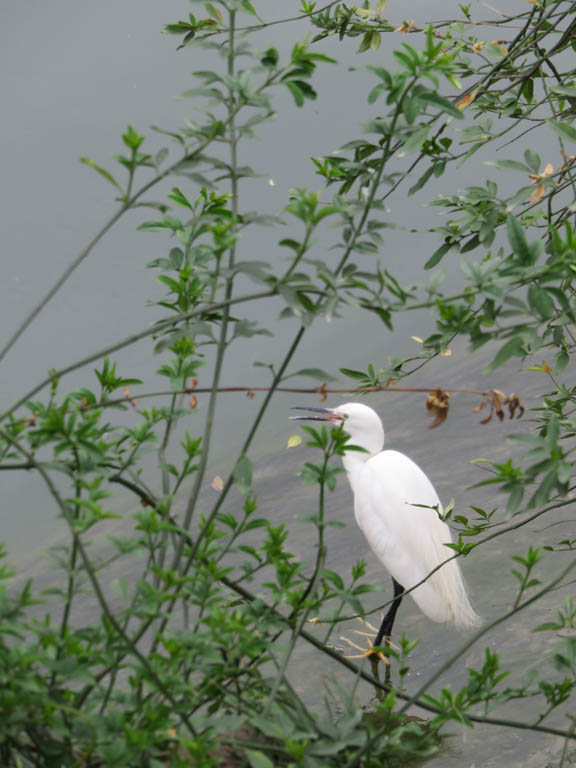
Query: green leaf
[
  {"x": 415, "y": 140},
  {"x": 429, "y": 97},
  {"x": 509, "y": 165},
  {"x": 103, "y": 172},
  {"x": 270, "y": 58},
  {"x": 312, "y": 373},
  {"x": 247, "y": 7},
  {"x": 243, "y": 474},
  {"x": 180, "y": 28},
  {"x": 132, "y": 139},
  {"x": 533, "y": 160},
  {"x": 214, "y": 12},
  {"x": 329, "y": 210},
  {"x": 295, "y": 91},
  {"x": 365, "y": 43},
  {"x": 517, "y": 240},
  {"x": 564, "y": 90},
  {"x": 258, "y": 759},
  {"x": 564, "y": 130},
  {"x": 438, "y": 255},
  {"x": 178, "y": 197},
  {"x": 512, "y": 348},
  {"x": 421, "y": 181},
  {"x": 357, "y": 375},
  {"x": 541, "y": 302},
  {"x": 291, "y": 298}
]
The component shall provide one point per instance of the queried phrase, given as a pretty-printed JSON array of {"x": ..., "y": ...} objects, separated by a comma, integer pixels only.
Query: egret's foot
[{"x": 370, "y": 651}]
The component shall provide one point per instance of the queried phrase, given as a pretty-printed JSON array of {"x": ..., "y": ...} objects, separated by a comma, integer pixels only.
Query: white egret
[{"x": 395, "y": 506}]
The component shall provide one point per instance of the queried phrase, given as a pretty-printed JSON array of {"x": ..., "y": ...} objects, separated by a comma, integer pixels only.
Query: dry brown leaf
[
  {"x": 497, "y": 404},
  {"x": 193, "y": 401},
  {"x": 538, "y": 194},
  {"x": 406, "y": 26},
  {"x": 250, "y": 394},
  {"x": 128, "y": 397},
  {"x": 437, "y": 405},
  {"x": 446, "y": 352},
  {"x": 514, "y": 405}
]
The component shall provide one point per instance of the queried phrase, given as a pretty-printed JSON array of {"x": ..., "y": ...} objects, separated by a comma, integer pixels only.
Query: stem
[
  {"x": 309, "y": 591},
  {"x": 222, "y": 345},
  {"x": 481, "y": 632},
  {"x": 106, "y": 610}
]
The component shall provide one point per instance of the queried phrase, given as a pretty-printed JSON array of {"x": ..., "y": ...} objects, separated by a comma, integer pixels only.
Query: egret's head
[{"x": 358, "y": 420}]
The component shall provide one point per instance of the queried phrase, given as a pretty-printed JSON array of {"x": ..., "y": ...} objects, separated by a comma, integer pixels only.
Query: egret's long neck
[{"x": 353, "y": 460}]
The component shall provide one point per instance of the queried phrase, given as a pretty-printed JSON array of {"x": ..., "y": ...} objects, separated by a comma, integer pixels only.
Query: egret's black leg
[{"x": 388, "y": 620}]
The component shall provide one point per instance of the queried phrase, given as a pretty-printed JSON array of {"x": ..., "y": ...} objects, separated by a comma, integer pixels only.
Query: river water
[{"x": 72, "y": 81}]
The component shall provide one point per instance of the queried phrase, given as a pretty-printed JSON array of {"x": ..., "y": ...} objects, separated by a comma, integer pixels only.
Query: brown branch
[{"x": 437, "y": 403}]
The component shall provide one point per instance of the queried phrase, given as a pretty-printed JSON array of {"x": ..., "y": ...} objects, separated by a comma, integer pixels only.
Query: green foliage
[{"x": 191, "y": 655}]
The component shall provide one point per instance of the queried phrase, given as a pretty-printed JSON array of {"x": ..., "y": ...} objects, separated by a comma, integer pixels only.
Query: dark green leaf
[
  {"x": 517, "y": 240},
  {"x": 295, "y": 91},
  {"x": 179, "y": 198},
  {"x": 313, "y": 373},
  {"x": 437, "y": 256},
  {"x": 429, "y": 97},
  {"x": 421, "y": 181}
]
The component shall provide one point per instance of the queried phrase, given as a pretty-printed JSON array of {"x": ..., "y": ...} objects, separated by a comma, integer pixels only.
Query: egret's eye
[{"x": 344, "y": 416}]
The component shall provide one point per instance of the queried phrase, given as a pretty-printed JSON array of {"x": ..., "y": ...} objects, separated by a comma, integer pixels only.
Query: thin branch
[
  {"x": 484, "y": 630},
  {"x": 132, "y": 339},
  {"x": 352, "y": 667},
  {"x": 107, "y": 611}
]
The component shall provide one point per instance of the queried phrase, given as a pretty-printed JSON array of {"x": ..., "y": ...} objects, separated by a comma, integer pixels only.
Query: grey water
[{"x": 72, "y": 81}]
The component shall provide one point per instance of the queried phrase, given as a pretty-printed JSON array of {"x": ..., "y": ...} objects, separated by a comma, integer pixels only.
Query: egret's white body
[
  {"x": 397, "y": 508},
  {"x": 408, "y": 540}
]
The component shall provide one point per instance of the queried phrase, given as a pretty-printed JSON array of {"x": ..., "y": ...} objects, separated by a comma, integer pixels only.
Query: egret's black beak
[{"x": 327, "y": 414}]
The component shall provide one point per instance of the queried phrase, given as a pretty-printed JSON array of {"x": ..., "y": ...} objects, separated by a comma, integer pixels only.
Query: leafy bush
[{"x": 189, "y": 662}]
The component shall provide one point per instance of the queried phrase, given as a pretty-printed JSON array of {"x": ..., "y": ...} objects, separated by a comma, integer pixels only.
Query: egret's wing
[{"x": 408, "y": 539}]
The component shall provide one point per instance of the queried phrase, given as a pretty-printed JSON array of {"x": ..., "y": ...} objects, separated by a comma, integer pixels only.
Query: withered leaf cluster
[
  {"x": 438, "y": 405},
  {"x": 497, "y": 400}
]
